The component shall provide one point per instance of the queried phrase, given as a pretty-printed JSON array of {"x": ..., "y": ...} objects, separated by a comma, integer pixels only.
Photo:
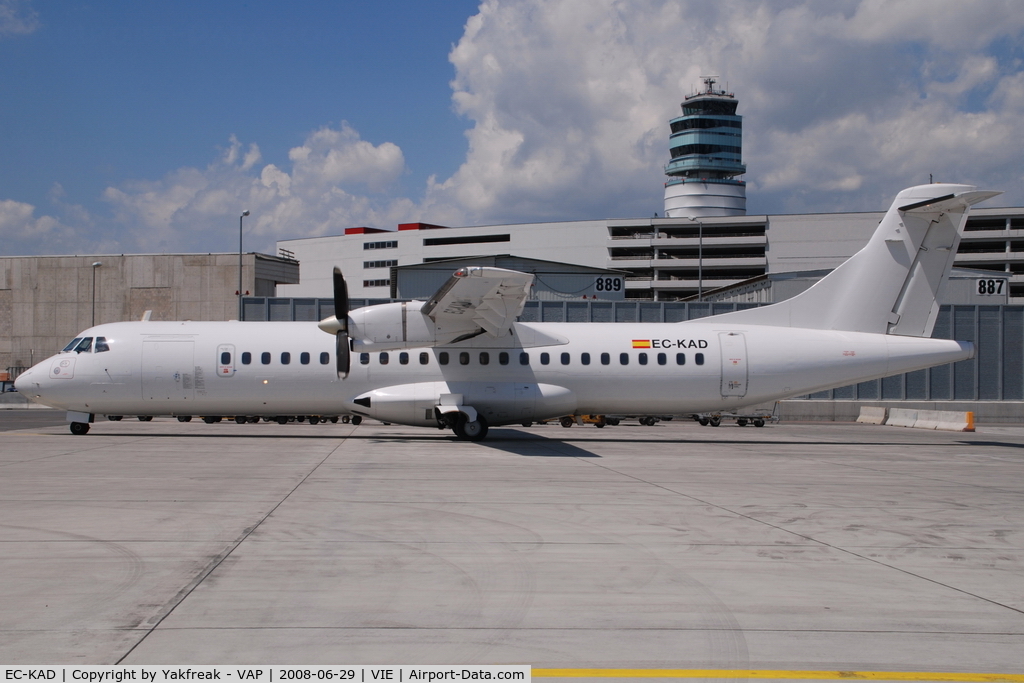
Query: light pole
[
  {"x": 95, "y": 265},
  {"x": 700, "y": 260},
  {"x": 700, "y": 256},
  {"x": 244, "y": 214}
]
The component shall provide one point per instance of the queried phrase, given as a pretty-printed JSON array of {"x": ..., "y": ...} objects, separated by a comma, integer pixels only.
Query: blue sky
[
  {"x": 147, "y": 126},
  {"x": 102, "y": 92}
]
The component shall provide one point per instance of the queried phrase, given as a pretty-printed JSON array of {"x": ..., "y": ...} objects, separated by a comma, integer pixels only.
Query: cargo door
[
  {"x": 734, "y": 363},
  {"x": 168, "y": 372}
]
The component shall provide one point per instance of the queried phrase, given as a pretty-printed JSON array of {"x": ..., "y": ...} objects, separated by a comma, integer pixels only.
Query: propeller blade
[
  {"x": 341, "y": 349},
  {"x": 341, "y": 300}
]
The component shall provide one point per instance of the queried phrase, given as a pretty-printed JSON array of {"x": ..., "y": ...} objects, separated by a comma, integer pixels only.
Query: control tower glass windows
[
  {"x": 710, "y": 106},
  {"x": 706, "y": 150},
  {"x": 691, "y": 124}
]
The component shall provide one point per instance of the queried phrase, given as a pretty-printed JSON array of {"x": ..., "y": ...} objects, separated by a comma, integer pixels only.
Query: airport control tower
[{"x": 706, "y": 146}]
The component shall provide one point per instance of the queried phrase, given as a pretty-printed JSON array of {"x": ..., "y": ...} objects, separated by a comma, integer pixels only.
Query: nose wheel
[{"x": 79, "y": 428}]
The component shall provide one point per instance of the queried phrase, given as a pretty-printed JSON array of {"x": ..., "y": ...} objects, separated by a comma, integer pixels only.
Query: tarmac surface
[{"x": 798, "y": 546}]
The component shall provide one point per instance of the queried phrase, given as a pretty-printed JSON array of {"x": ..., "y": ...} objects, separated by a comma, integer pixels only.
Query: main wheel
[
  {"x": 79, "y": 428},
  {"x": 470, "y": 431},
  {"x": 314, "y": 420},
  {"x": 566, "y": 421},
  {"x": 241, "y": 419},
  {"x": 357, "y": 420},
  {"x": 282, "y": 419},
  {"x": 115, "y": 418},
  {"x": 145, "y": 418},
  {"x": 184, "y": 418}
]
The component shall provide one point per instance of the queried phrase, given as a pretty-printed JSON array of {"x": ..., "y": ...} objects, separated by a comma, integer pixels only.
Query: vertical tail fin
[{"x": 889, "y": 286}]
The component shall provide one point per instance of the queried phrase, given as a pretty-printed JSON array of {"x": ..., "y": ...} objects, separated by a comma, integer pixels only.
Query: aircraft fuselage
[{"x": 542, "y": 371}]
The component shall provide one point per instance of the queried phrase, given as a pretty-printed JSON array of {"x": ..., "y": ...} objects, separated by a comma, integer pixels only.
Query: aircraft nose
[
  {"x": 22, "y": 381},
  {"x": 27, "y": 382}
]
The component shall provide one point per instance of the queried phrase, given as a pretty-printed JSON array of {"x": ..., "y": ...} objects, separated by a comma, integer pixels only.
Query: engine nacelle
[
  {"x": 499, "y": 402},
  {"x": 390, "y": 326},
  {"x": 401, "y": 326}
]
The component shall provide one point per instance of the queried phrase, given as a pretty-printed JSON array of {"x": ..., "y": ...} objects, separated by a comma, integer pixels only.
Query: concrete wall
[
  {"x": 46, "y": 300},
  {"x": 986, "y": 412}
]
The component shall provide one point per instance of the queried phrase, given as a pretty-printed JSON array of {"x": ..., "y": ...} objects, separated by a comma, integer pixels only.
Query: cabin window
[
  {"x": 364, "y": 358},
  {"x": 698, "y": 358},
  {"x": 84, "y": 346},
  {"x": 304, "y": 357},
  {"x": 265, "y": 358},
  {"x": 442, "y": 358},
  {"x": 524, "y": 358},
  {"x": 71, "y": 346},
  {"x": 642, "y": 359},
  {"x": 545, "y": 358},
  {"x": 662, "y": 359},
  {"x": 464, "y": 358},
  {"x": 424, "y": 358},
  {"x": 225, "y": 358},
  {"x": 585, "y": 358},
  {"x": 485, "y": 358},
  {"x": 623, "y": 359},
  {"x": 606, "y": 359},
  {"x": 101, "y": 345},
  {"x": 286, "y": 358},
  {"x": 503, "y": 358},
  {"x": 246, "y": 358},
  {"x": 403, "y": 358},
  {"x": 384, "y": 358},
  {"x": 325, "y": 358},
  {"x": 565, "y": 359},
  {"x": 680, "y": 359}
]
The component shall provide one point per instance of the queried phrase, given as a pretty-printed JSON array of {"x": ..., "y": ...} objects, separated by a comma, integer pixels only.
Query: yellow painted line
[{"x": 782, "y": 675}]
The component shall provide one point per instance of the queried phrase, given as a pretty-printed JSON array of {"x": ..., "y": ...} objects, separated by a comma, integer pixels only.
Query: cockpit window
[
  {"x": 101, "y": 345},
  {"x": 73, "y": 344},
  {"x": 84, "y": 346}
]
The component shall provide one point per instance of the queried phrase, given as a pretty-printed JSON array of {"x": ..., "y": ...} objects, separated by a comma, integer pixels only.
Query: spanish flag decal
[{"x": 641, "y": 343}]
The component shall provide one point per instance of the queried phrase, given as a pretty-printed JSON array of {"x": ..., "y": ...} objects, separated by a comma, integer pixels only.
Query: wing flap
[{"x": 489, "y": 298}]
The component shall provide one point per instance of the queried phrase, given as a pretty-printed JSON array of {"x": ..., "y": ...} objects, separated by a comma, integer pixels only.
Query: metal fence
[{"x": 996, "y": 373}]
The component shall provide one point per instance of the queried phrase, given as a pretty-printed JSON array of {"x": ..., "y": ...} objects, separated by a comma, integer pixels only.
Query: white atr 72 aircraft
[{"x": 461, "y": 361}]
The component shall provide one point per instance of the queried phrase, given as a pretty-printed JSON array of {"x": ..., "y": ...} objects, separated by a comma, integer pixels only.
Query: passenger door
[
  {"x": 168, "y": 371},
  {"x": 734, "y": 363}
]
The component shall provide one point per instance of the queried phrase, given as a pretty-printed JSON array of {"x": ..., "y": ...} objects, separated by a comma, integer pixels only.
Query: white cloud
[
  {"x": 326, "y": 189},
  {"x": 844, "y": 103},
  {"x": 17, "y": 18},
  {"x": 21, "y": 230}
]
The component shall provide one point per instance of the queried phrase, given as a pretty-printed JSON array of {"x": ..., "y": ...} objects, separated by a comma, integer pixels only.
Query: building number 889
[{"x": 608, "y": 284}]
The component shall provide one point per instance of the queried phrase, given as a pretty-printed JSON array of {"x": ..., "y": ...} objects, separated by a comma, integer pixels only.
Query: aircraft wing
[{"x": 477, "y": 300}]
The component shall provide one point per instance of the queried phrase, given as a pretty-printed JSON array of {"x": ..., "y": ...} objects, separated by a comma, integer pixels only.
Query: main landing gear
[{"x": 470, "y": 431}]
